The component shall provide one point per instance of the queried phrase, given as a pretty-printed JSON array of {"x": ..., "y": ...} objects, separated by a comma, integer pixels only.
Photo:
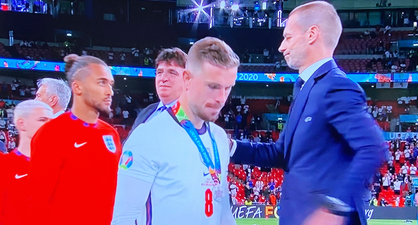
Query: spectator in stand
[
  {"x": 383, "y": 202},
  {"x": 233, "y": 190},
  {"x": 391, "y": 168},
  {"x": 272, "y": 185},
  {"x": 398, "y": 154},
  {"x": 259, "y": 184},
  {"x": 135, "y": 54},
  {"x": 273, "y": 199},
  {"x": 125, "y": 114},
  {"x": 408, "y": 183},
  {"x": 3, "y": 137},
  {"x": 391, "y": 158},
  {"x": 397, "y": 186},
  {"x": 3, "y": 149},
  {"x": 238, "y": 120},
  {"x": 413, "y": 169},
  {"x": 407, "y": 153},
  {"x": 266, "y": 192},
  {"x": 248, "y": 202},
  {"x": 12, "y": 143},
  {"x": 405, "y": 170},
  {"x": 122, "y": 57},
  {"x": 118, "y": 111},
  {"x": 386, "y": 181},
  {"x": 111, "y": 55},
  {"x": 54, "y": 92},
  {"x": 247, "y": 189}
]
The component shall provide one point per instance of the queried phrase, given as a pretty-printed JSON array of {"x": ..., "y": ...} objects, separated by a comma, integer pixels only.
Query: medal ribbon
[{"x": 180, "y": 116}]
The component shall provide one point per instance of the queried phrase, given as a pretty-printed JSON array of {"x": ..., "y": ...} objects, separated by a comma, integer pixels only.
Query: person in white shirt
[
  {"x": 177, "y": 163},
  {"x": 398, "y": 155},
  {"x": 259, "y": 184},
  {"x": 233, "y": 188},
  {"x": 239, "y": 108},
  {"x": 413, "y": 169},
  {"x": 405, "y": 169},
  {"x": 407, "y": 153},
  {"x": 54, "y": 92},
  {"x": 386, "y": 181}
]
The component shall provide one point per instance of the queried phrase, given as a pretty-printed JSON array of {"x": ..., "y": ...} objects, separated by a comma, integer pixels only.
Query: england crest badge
[{"x": 110, "y": 144}]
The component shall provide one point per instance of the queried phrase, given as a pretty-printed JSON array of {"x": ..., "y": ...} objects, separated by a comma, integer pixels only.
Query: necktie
[{"x": 297, "y": 86}]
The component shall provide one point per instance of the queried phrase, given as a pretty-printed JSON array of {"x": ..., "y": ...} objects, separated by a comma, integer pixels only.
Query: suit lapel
[
  {"x": 150, "y": 110},
  {"x": 300, "y": 102}
]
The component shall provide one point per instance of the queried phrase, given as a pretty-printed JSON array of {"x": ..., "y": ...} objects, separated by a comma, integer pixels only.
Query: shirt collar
[
  {"x": 308, "y": 72},
  {"x": 168, "y": 105},
  {"x": 58, "y": 114}
]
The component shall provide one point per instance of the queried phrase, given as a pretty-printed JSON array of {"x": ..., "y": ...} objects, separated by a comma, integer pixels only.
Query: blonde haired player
[
  {"x": 29, "y": 116},
  {"x": 177, "y": 163}
]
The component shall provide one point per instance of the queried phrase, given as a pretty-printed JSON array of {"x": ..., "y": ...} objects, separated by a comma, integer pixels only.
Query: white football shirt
[{"x": 162, "y": 169}]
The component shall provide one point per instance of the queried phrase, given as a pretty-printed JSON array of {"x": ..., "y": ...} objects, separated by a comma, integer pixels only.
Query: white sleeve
[
  {"x": 233, "y": 148},
  {"x": 135, "y": 179}
]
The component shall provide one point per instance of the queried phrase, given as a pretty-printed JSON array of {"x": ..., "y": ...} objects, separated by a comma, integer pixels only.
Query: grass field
[{"x": 275, "y": 222}]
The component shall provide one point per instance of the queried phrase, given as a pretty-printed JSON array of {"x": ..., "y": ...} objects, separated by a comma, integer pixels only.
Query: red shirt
[
  {"x": 14, "y": 189},
  {"x": 73, "y": 172}
]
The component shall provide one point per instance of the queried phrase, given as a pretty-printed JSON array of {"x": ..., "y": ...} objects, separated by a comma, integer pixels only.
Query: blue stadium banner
[
  {"x": 408, "y": 118},
  {"x": 7, "y": 63},
  {"x": 403, "y": 135}
]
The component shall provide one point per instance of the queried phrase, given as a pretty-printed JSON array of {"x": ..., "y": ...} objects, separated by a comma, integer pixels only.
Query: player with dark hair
[{"x": 74, "y": 162}]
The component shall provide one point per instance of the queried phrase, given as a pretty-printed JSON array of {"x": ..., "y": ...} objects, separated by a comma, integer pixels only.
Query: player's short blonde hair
[
  {"x": 323, "y": 15},
  {"x": 25, "y": 108},
  {"x": 213, "y": 51}
]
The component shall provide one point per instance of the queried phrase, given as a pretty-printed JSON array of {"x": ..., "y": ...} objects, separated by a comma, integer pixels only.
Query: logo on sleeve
[
  {"x": 126, "y": 160},
  {"x": 110, "y": 144}
]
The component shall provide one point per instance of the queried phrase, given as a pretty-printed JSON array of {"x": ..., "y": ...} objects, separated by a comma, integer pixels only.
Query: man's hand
[{"x": 321, "y": 216}]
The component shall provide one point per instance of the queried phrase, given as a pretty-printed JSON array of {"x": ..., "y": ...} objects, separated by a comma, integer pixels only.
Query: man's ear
[
  {"x": 77, "y": 87},
  {"x": 186, "y": 79},
  {"x": 20, "y": 124},
  {"x": 53, "y": 100}
]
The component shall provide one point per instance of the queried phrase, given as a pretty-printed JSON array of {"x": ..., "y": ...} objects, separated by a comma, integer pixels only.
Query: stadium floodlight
[
  {"x": 222, "y": 4},
  {"x": 264, "y": 6},
  {"x": 200, "y": 8},
  {"x": 235, "y": 7}
]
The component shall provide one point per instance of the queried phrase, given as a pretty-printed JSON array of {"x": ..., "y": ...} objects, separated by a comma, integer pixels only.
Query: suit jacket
[
  {"x": 144, "y": 115},
  {"x": 330, "y": 146}
]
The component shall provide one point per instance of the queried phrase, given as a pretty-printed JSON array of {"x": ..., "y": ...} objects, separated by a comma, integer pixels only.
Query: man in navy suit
[
  {"x": 331, "y": 146},
  {"x": 170, "y": 65}
]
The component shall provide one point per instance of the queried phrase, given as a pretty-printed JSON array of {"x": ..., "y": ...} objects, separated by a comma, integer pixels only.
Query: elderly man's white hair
[
  {"x": 57, "y": 87},
  {"x": 323, "y": 15},
  {"x": 25, "y": 108}
]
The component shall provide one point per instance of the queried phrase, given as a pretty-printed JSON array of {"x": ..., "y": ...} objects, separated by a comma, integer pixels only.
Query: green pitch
[{"x": 275, "y": 222}]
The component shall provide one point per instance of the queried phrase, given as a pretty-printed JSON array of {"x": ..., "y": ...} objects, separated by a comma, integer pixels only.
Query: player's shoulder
[
  {"x": 217, "y": 130},
  {"x": 105, "y": 126},
  {"x": 6, "y": 158},
  {"x": 158, "y": 124}
]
